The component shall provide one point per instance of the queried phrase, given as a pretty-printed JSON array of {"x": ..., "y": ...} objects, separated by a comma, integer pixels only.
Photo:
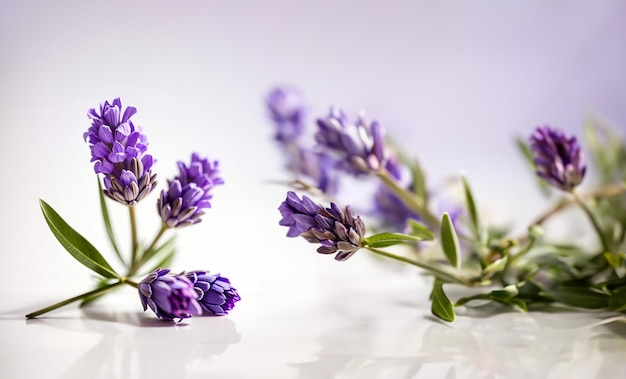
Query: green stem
[
  {"x": 521, "y": 253},
  {"x": 133, "y": 232},
  {"x": 409, "y": 199},
  {"x": 435, "y": 270},
  {"x": 594, "y": 221},
  {"x": 147, "y": 254},
  {"x": 97, "y": 291}
]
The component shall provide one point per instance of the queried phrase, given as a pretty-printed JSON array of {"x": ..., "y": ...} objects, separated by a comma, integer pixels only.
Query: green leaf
[
  {"x": 164, "y": 254},
  {"x": 496, "y": 266},
  {"x": 528, "y": 157},
  {"x": 107, "y": 222},
  {"x": 75, "y": 244},
  {"x": 465, "y": 300},
  {"x": 389, "y": 239},
  {"x": 507, "y": 292},
  {"x": 420, "y": 231},
  {"x": 441, "y": 306},
  {"x": 450, "y": 241},
  {"x": 580, "y": 297},
  {"x": 101, "y": 283},
  {"x": 471, "y": 208},
  {"x": 605, "y": 146},
  {"x": 521, "y": 304},
  {"x": 419, "y": 181}
]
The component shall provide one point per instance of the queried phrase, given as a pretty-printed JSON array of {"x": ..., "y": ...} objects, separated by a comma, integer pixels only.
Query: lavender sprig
[
  {"x": 524, "y": 269},
  {"x": 119, "y": 152}
]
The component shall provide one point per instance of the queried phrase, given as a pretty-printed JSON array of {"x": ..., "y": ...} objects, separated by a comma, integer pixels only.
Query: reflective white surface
[{"x": 372, "y": 322}]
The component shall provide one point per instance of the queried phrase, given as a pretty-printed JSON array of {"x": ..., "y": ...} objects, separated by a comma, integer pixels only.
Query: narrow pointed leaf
[
  {"x": 471, "y": 208},
  {"x": 528, "y": 157},
  {"x": 507, "y": 292},
  {"x": 441, "y": 306},
  {"x": 101, "y": 283},
  {"x": 163, "y": 249},
  {"x": 75, "y": 244},
  {"x": 389, "y": 239},
  {"x": 163, "y": 255},
  {"x": 166, "y": 261},
  {"x": 420, "y": 231},
  {"x": 449, "y": 241},
  {"x": 580, "y": 297},
  {"x": 107, "y": 222},
  {"x": 419, "y": 181}
]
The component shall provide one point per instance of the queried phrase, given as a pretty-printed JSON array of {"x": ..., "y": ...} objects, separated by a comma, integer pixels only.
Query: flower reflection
[{"x": 132, "y": 345}]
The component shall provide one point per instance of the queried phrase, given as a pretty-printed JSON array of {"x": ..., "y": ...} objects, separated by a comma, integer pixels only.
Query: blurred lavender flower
[
  {"x": 215, "y": 294},
  {"x": 359, "y": 145},
  {"x": 336, "y": 230},
  {"x": 318, "y": 166},
  {"x": 169, "y": 296},
  {"x": 186, "y": 197},
  {"x": 119, "y": 151},
  {"x": 391, "y": 210},
  {"x": 287, "y": 111},
  {"x": 558, "y": 158}
]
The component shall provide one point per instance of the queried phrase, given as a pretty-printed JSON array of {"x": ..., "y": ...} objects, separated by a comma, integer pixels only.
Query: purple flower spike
[
  {"x": 169, "y": 296},
  {"x": 336, "y": 230},
  {"x": 286, "y": 109},
  {"x": 558, "y": 158},
  {"x": 188, "y": 195},
  {"x": 119, "y": 151},
  {"x": 359, "y": 145},
  {"x": 215, "y": 294}
]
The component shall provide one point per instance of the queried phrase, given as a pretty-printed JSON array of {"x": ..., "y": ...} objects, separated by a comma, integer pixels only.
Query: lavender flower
[
  {"x": 287, "y": 111},
  {"x": 215, "y": 294},
  {"x": 188, "y": 195},
  {"x": 558, "y": 158},
  {"x": 169, "y": 296},
  {"x": 119, "y": 151},
  {"x": 391, "y": 210},
  {"x": 336, "y": 230},
  {"x": 360, "y": 145},
  {"x": 318, "y": 166}
]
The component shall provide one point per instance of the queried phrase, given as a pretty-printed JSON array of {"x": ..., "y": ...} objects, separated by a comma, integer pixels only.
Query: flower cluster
[
  {"x": 558, "y": 158},
  {"x": 119, "y": 152},
  {"x": 287, "y": 111},
  {"x": 188, "y": 194},
  {"x": 216, "y": 295},
  {"x": 337, "y": 231},
  {"x": 455, "y": 246},
  {"x": 182, "y": 296},
  {"x": 359, "y": 145}
]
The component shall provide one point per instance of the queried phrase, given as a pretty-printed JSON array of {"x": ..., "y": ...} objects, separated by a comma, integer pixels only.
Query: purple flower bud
[
  {"x": 336, "y": 230},
  {"x": 119, "y": 151},
  {"x": 215, "y": 294},
  {"x": 169, "y": 296},
  {"x": 360, "y": 145},
  {"x": 558, "y": 158},
  {"x": 187, "y": 196},
  {"x": 286, "y": 109}
]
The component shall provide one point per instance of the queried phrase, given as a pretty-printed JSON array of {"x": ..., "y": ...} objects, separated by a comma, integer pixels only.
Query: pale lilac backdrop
[{"x": 452, "y": 81}]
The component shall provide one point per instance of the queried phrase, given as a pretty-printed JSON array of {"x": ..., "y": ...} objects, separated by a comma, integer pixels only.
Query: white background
[{"x": 454, "y": 82}]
